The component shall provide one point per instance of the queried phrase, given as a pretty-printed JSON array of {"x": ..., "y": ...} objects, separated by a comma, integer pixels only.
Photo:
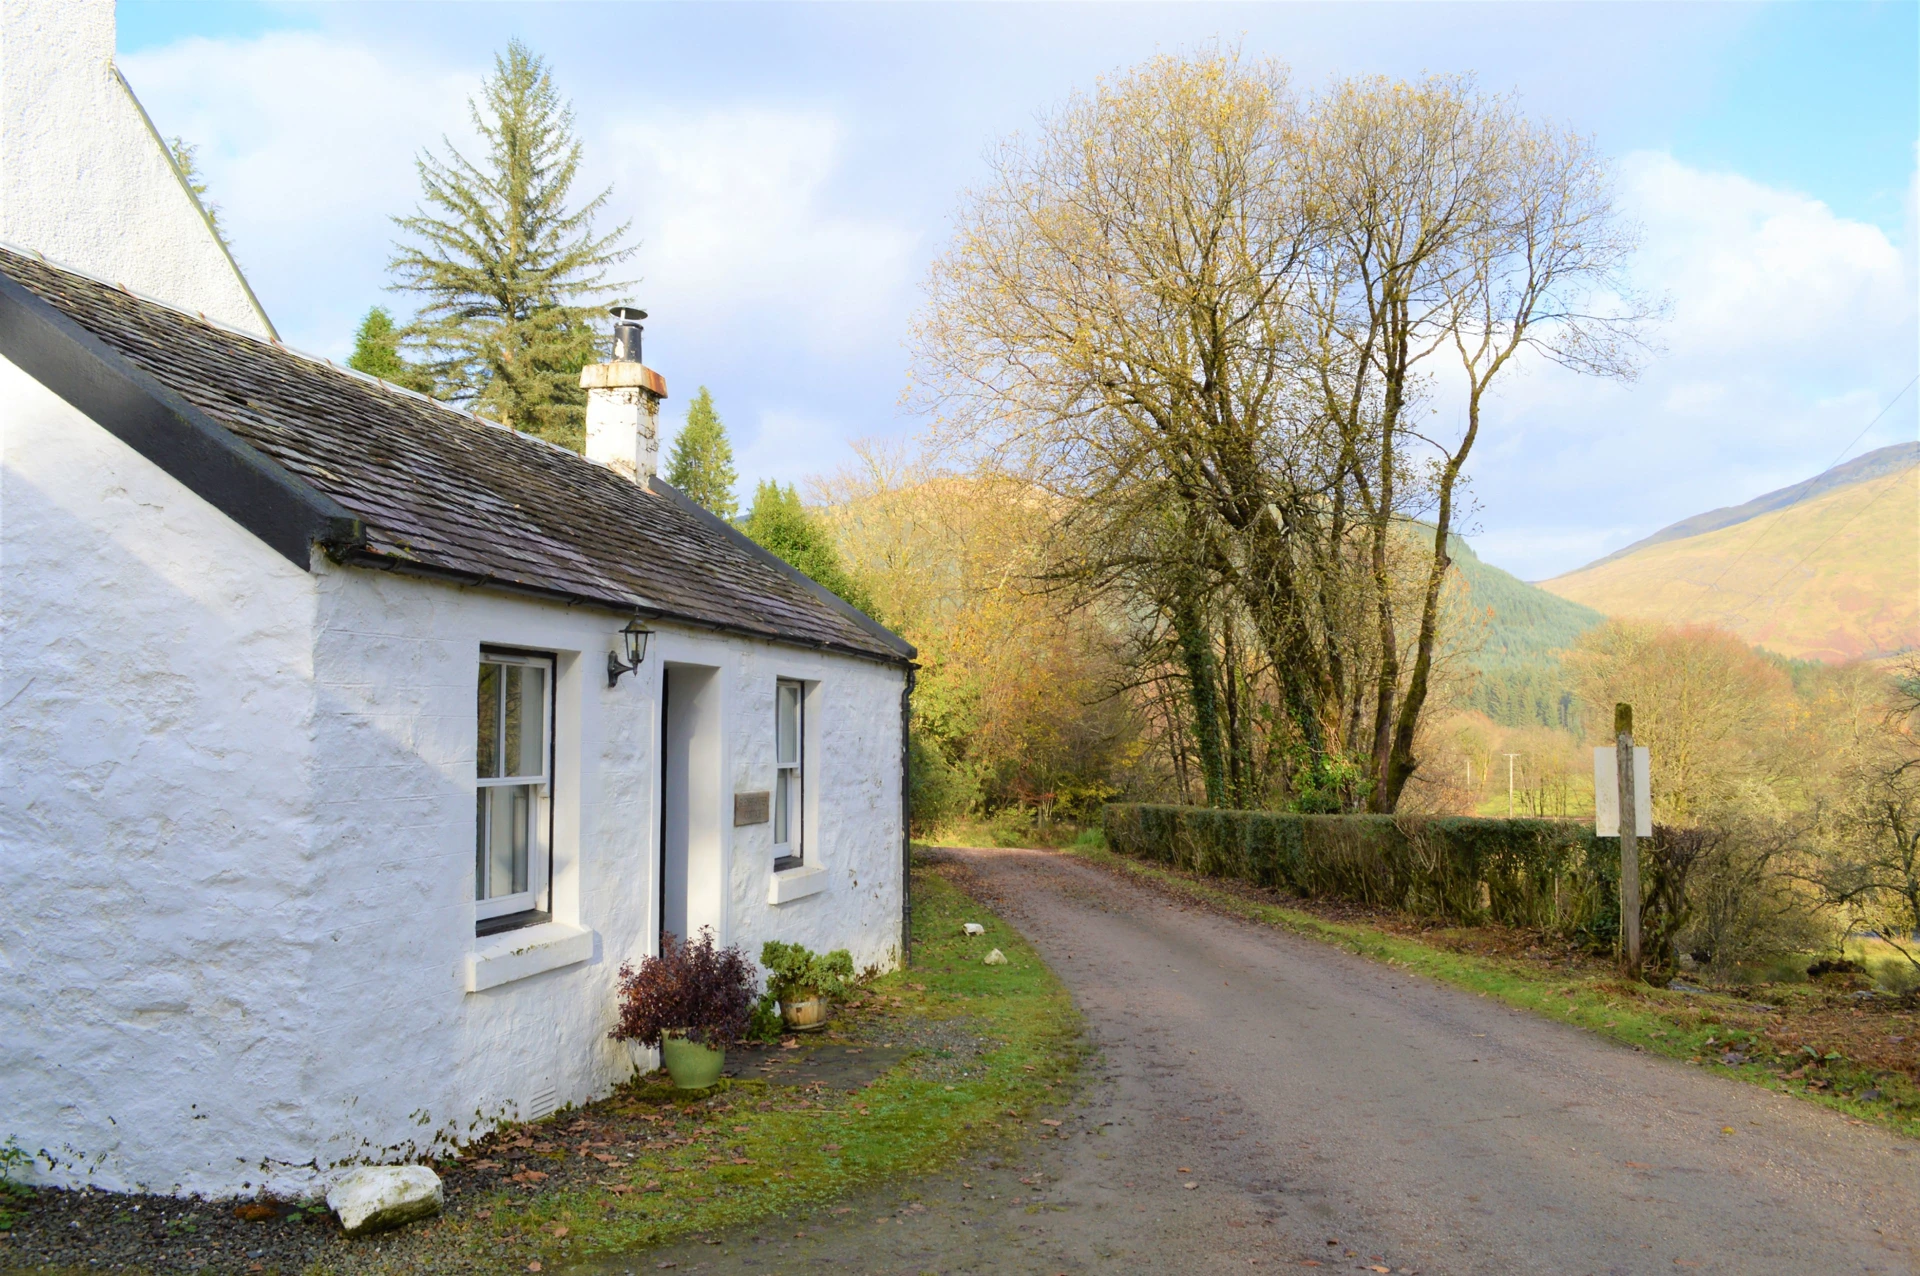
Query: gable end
[{"x": 235, "y": 479}]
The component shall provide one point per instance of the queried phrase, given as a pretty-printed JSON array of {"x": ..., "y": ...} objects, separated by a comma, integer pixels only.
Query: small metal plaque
[{"x": 752, "y": 808}]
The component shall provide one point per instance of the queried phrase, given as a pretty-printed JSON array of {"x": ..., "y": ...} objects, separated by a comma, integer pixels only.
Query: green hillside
[{"x": 1510, "y": 634}]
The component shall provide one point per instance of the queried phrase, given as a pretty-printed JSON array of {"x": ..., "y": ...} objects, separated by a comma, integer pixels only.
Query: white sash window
[
  {"x": 789, "y": 775},
  {"x": 513, "y": 786}
]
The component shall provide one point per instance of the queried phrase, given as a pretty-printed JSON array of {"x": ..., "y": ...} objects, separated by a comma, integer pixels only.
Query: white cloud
[
  {"x": 733, "y": 205},
  {"x": 787, "y": 442},
  {"x": 308, "y": 143},
  {"x": 308, "y": 140},
  {"x": 1790, "y": 328}
]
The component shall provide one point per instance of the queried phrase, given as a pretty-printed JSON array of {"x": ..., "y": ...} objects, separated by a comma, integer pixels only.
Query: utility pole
[
  {"x": 1629, "y": 845},
  {"x": 1510, "y": 758}
]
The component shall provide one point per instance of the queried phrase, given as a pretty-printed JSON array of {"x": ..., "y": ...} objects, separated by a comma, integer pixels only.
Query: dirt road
[{"x": 1262, "y": 1100}]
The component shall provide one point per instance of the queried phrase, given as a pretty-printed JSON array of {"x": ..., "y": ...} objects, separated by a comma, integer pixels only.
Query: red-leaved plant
[{"x": 691, "y": 989}]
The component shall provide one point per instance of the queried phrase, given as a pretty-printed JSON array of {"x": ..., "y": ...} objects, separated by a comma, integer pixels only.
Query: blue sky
[{"x": 790, "y": 169}]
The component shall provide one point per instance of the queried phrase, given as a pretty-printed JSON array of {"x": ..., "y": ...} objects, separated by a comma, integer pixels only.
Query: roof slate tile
[{"x": 444, "y": 492}]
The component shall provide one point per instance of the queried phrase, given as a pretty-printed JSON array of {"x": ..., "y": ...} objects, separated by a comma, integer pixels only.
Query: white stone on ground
[
  {"x": 995, "y": 958},
  {"x": 374, "y": 1198},
  {"x": 974, "y": 928}
]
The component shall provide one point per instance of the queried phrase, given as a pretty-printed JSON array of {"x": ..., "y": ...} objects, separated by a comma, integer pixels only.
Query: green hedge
[{"x": 1550, "y": 875}]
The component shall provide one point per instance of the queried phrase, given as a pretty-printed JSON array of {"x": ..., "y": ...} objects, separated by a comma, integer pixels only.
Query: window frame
[
  {"x": 792, "y": 814},
  {"x": 533, "y": 905}
]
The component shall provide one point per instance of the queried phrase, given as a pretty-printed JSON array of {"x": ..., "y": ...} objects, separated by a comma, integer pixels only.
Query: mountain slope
[
  {"x": 1886, "y": 460},
  {"x": 1832, "y": 575}
]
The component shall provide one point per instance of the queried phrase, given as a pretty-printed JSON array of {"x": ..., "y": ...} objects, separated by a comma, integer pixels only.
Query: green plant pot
[{"x": 691, "y": 1065}]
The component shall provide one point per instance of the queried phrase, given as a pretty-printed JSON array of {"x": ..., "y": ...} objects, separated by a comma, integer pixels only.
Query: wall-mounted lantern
[{"x": 634, "y": 642}]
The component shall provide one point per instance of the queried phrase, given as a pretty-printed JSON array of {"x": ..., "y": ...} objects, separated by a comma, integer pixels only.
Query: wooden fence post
[{"x": 1629, "y": 842}]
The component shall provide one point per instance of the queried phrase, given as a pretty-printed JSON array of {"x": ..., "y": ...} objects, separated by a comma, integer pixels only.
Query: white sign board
[{"x": 1606, "y": 793}]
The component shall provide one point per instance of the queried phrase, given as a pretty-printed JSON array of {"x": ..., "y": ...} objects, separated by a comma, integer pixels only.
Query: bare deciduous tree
[{"x": 1202, "y": 316}]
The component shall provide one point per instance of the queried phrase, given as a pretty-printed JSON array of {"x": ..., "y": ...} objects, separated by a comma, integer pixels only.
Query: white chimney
[{"x": 623, "y": 403}]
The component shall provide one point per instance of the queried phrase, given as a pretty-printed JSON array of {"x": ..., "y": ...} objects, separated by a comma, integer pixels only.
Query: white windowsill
[
  {"x": 797, "y": 883},
  {"x": 517, "y": 954}
]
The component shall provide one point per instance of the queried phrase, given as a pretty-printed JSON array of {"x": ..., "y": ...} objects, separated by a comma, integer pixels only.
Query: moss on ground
[
  {"x": 650, "y": 1164},
  {"x": 1857, "y": 1056}
]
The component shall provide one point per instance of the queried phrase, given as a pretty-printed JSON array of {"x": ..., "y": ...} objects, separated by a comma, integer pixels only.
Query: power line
[
  {"x": 1779, "y": 513},
  {"x": 1815, "y": 550}
]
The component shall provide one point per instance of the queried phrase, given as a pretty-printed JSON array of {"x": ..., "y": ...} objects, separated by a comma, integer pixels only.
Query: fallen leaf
[
  {"x": 534, "y": 1266},
  {"x": 620, "y": 1189},
  {"x": 560, "y": 1229},
  {"x": 1311, "y": 1262},
  {"x": 1185, "y": 1170},
  {"x": 741, "y": 1160},
  {"x": 1049, "y": 1121},
  {"x": 1638, "y": 1165}
]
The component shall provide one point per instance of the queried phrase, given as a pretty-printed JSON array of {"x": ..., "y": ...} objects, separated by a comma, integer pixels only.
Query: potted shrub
[
  {"x": 804, "y": 982},
  {"x": 690, "y": 1002}
]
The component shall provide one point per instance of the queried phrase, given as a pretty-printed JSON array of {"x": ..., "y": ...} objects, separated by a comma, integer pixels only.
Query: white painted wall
[
  {"x": 236, "y": 813},
  {"x": 84, "y": 179},
  {"x": 156, "y": 813}
]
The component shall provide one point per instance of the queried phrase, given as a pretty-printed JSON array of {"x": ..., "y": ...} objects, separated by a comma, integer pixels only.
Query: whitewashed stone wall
[
  {"x": 84, "y": 179},
  {"x": 238, "y": 822},
  {"x": 155, "y": 816}
]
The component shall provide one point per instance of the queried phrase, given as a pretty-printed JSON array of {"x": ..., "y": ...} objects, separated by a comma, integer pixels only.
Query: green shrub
[
  {"x": 796, "y": 971},
  {"x": 1554, "y": 876},
  {"x": 939, "y": 791}
]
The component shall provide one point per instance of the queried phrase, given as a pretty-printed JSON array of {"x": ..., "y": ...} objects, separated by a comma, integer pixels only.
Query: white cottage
[
  {"x": 331, "y": 797},
  {"x": 331, "y": 806}
]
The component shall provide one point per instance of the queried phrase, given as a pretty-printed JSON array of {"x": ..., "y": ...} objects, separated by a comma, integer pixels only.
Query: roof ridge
[
  {"x": 275, "y": 343},
  {"x": 426, "y": 492}
]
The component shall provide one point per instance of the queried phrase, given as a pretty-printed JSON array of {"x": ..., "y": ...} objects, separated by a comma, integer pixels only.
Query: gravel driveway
[{"x": 1261, "y": 1100}]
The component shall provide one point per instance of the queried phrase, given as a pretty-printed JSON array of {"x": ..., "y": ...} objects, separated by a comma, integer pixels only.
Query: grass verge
[
  {"x": 1857, "y": 1059},
  {"x": 676, "y": 1165}
]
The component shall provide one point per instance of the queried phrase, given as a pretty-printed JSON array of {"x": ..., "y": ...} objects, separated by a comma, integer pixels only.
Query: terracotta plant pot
[
  {"x": 804, "y": 1014},
  {"x": 691, "y": 1065}
]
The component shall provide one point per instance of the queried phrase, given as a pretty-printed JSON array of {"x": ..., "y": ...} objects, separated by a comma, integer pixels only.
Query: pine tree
[
  {"x": 702, "y": 464},
  {"x": 507, "y": 269},
  {"x": 376, "y": 352},
  {"x": 781, "y": 525}
]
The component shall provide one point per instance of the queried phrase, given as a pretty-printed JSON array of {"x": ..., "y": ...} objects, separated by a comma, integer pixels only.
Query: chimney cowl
[{"x": 626, "y": 333}]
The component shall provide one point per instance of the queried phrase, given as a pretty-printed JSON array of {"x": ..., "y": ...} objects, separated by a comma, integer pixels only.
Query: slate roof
[{"x": 435, "y": 490}]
